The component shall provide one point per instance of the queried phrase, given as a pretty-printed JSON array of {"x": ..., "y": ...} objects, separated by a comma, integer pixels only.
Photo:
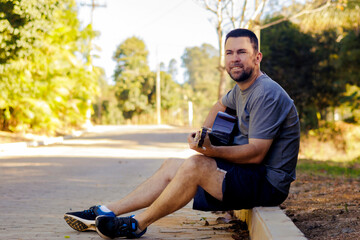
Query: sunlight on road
[
  {"x": 130, "y": 142},
  {"x": 28, "y": 164}
]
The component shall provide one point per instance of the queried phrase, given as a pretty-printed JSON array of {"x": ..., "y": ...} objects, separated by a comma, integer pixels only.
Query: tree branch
[
  {"x": 256, "y": 13},
  {"x": 328, "y": 4},
  {"x": 243, "y": 14},
  {"x": 207, "y": 6}
]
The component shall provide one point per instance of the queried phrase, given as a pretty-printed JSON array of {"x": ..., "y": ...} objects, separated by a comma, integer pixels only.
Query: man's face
[{"x": 240, "y": 59}]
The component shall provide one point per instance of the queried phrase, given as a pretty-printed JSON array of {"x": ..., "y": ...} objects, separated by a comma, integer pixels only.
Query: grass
[
  {"x": 349, "y": 169},
  {"x": 337, "y": 141}
]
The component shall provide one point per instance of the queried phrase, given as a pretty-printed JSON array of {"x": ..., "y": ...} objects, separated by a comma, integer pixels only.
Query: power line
[{"x": 94, "y": 4}]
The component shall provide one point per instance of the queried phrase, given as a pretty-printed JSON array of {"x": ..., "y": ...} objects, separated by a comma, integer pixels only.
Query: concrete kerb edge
[{"x": 265, "y": 223}]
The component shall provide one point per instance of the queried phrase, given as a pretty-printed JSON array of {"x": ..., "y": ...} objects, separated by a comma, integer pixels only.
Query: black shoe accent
[
  {"x": 113, "y": 227},
  {"x": 84, "y": 220}
]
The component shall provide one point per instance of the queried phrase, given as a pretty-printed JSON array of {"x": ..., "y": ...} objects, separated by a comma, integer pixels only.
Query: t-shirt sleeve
[
  {"x": 229, "y": 100},
  {"x": 267, "y": 112}
]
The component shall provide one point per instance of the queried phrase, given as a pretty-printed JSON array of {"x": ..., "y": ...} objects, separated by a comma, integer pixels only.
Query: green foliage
[
  {"x": 21, "y": 23},
  {"x": 328, "y": 84},
  {"x": 203, "y": 77},
  {"x": 349, "y": 58},
  {"x": 135, "y": 88},
  {"x": 105, "y": 109},
  {"x": 290, "y": 60},
  {"x": 314, "y": 69},
  {"x": 352, "y": 100},
  {"x": 134, "y": 81},
  {"x": 340, "y": 14},
  {"x": 45, "y": 86}
]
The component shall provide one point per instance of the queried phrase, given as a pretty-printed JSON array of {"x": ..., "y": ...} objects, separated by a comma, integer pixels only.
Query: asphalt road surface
[{"x": 38, "y": 185}]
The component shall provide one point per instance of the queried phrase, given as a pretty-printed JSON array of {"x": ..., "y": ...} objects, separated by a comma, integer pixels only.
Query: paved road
[{"x": 38, "y": 185}]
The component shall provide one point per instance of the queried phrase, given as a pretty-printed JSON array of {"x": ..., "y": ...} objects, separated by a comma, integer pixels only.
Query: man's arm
[{"x": 254, "y": 152}]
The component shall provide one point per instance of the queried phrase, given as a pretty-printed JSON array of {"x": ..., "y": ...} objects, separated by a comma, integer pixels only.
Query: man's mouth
[{"x": 237, "y": 68}]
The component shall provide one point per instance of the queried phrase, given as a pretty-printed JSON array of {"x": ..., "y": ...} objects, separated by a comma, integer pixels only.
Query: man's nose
[{"x": 236, "y": 58}]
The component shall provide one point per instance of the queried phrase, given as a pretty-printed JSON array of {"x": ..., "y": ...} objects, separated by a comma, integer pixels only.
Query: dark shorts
[{"x": 244, "y": 187}]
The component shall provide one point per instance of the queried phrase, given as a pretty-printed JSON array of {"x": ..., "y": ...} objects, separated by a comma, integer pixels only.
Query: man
[{"x": 255, "y": 171}]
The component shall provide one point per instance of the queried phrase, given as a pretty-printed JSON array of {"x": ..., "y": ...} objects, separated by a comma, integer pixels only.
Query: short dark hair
[{"x": 242, "y": 32}]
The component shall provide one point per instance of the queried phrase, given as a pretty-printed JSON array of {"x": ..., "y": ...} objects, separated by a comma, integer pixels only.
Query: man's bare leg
[
  {"x": 146, "y": 193},
  {"x": 196, "y": 171}
]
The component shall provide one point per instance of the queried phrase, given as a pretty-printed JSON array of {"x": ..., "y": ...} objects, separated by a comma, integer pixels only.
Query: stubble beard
[{"x": 245, "y": 75}]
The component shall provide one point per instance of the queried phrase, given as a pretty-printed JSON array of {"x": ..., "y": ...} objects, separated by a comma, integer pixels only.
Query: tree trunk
[
  {"x": 221, "y": 67},
  {"x": 222, "y": 83}
]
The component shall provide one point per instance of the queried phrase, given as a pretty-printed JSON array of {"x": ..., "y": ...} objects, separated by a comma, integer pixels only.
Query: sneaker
[
  {"x": 113, "y": 227},
  {"x": 85, "y": 220}
]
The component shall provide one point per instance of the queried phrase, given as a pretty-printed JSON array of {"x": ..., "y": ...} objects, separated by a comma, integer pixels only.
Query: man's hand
[
  {"x": 192, "y": 140},
  {"x": 193, "y": 143}
]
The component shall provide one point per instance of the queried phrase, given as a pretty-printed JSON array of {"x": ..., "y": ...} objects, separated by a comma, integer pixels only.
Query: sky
[{"x": 166, "y": 26}]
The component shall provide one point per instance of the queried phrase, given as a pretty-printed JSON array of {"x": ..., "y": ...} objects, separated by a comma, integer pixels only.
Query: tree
[
  {"x": 347, "y": 67},
  {"x": 318, "y": 71},
  {"x": 328, "y": 84},
  {"x": 289, "y": 60},
  {"x": 172, "y": 69},
  {"x": 202, "y": 75},
  {"x": 232, "y": 14},
  {"x": 45, "y": 85},
  {"x": 135, "y": 84},
  {"x": 134, "y": 81},
  {"x": 247, "y": 14},
  {"x": 340, "y": 14}
]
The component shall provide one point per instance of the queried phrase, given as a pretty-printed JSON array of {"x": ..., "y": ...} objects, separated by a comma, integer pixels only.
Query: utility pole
[
  {"x": 94, "y": 4},
  {"x": 158, "y": 95},
  {"x": 158, "y": 89}
]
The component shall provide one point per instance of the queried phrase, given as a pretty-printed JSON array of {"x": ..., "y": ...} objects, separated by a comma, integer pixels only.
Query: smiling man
[{"x": 256, "y": 170}]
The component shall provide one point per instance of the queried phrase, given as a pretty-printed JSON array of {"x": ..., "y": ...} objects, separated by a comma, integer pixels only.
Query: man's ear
[{"x": 258, "y": 58}]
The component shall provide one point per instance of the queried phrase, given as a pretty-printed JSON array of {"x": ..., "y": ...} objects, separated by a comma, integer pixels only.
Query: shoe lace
[{"x": 90, "y": 211}]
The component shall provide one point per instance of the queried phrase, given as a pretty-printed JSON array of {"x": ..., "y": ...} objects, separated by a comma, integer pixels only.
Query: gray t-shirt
[{"x": 265, "y": 111}]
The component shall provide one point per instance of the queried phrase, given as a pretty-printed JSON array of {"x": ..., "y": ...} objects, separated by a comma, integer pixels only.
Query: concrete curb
[{"x": 267, "y": 223}]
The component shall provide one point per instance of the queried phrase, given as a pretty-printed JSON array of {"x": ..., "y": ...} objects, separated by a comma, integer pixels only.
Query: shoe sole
[
  {"x": 102, "y": 235},
  {"x": 80, "y": 224}
]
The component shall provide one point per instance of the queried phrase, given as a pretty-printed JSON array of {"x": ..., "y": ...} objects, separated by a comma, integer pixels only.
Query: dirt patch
[{"x": 325, "y": 207}]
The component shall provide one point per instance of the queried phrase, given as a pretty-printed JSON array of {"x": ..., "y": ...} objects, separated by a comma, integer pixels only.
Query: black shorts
[{"x": 245, "y": 186}]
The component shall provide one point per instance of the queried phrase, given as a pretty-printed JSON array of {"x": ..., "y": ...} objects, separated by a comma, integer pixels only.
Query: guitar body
[{"x": 222, "y": 131}]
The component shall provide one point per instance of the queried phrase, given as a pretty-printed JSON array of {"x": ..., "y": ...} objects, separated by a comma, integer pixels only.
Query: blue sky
[{"x": 166, "y": 26}]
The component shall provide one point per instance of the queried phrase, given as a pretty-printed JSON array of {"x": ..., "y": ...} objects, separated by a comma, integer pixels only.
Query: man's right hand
[{"x": 193, "y": 142}]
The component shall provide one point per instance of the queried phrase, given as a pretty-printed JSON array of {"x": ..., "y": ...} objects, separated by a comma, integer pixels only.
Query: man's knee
[
  {"x": 171, "y": 166},
  {"x": 198, "y": 164},
  {"x": 171, "y": 163}
]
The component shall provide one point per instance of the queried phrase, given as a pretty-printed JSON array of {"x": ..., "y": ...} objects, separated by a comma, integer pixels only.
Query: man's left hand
[{"x": 193, "y": 144}]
